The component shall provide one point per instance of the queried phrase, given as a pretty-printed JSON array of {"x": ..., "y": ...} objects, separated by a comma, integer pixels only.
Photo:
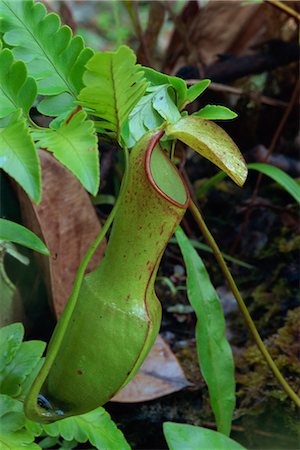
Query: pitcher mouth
[{"x": 149, "y": 152}]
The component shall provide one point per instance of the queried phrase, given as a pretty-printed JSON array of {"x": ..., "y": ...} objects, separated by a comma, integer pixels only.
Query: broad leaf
[
  {"x": 215, "y": 112},
  {"x": 18, "y": 156},
  {"x": 212, "y": 142},
  {"x": 13, "y": 435},
  {"x": 95, "y": 426},
  {"x": 114, "y": 84},
  {"x": 194, "y": 91},
  {"x": 13, "y": 232},
  {"x": 74, "y": 144},
  {"x": 54, "y": 58},
  {"x": 158, "y": 79},
  {"x": 14, "y": 374},
  {"x": 151, "y": 111},
  {"x": 16, "y": 89},
  {"x": 10, "y": 341},
  {"x": 181, "y": 436},
  {"x": 214, "y": 352},
  {"x": 280, "y": 177}
]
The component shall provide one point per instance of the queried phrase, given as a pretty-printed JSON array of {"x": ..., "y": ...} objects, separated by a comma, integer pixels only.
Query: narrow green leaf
[
  {"x": 114, "y": 85},
  {"x": 276, "y": 174},
  {"x": 280, "y": 177},
  {"x": 194, "y": 91},
  {"x": 206, "y": 248},
  {"x": 16, "y": 89},
  {"x": 95, "y": 426},
  {"x": 212, "y": 142},
  {"x": 13, "y": 232},
  {"x": 54, "y": 58},
  {"x": 214, "y": 352},
  {"x": 181, "y": 436},
  {"x": 18, "y": 156},
  {"x": 215, "y": 112},
  {"x": 74, "y": 144}
]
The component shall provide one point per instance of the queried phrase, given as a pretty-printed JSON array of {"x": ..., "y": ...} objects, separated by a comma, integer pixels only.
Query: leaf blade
[
  {"x": 114, "y": 84},
  {"x": 212, "y": 142},
  {"x": 54, "y": 58},
  {"x": 74, "y": 144},
  {"x": 13, "y": 232},
  {"x": 18, "y": 156},
  {"x": 189, "y": 437},
  {"x": 16, "y": 89},
  {"x": 214, "y": 352},
  {"x": 215, "y": 112},
  {"x": 278, "y": 175}
]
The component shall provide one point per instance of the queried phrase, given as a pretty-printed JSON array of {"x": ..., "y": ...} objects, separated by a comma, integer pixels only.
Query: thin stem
[
  {"x": 218, "y": 255},
  {"x": 284, "y": 7}
]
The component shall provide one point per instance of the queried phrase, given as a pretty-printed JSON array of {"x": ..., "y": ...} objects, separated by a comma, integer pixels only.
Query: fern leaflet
[
  {"x": 54, "y": 58},
  {"x": 114, "y": 84},
  {"x": 16, "y": 89},
  {"x": 18, "y": 156},
  {"x": 74, "y": 144}
]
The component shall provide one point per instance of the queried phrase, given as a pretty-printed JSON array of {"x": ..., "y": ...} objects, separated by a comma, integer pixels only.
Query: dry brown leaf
[
  {"x": 67, "y": 222},
  {"x": 202, "y": 34},
  {"x": 160, "y": 374}
]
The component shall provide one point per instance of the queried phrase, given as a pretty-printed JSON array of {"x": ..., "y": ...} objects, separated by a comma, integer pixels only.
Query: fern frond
[
  {"x": 74, "y": 144},
  {"x": 18, "y": 156},
  {"x": 54, "y": 58},
  {"x": 114, "y": 84},
  {"x": 16, "y": 89}
]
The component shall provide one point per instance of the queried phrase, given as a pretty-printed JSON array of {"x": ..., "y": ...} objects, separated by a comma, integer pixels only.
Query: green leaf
[
  {"x": 212, "y": 142},
  {"x": 74, "y": 144},
  {"x": 54, "y": 58},
  {"x": 18, "y": 156},
  {"x": 158, "y": 79},
  {"x": 151, "y": 112},
  {"x": 95, "y": 426},
  {"x": 13, "y": 436},
  {"x": 114, "y": 84},
  {"x": 56, "y": 104},
  {"x": 14, "y": 374},
  {"x": 280, "y": 177},
  {"x": 10, "y": 341},
  {"x": 194, "y": 91},
  {"x": 215, "y": 112},
  {"x": 165, "y": 106},
  {"x": 189, "y": 437},
  {"x": 16, "y": 89},
  {"x": 13, "y": 232},
  {"x": 214, "y": 352}
]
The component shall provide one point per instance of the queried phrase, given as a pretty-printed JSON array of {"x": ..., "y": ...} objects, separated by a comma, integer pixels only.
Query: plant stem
[
  {"x": 284, "y": 8},
  {"x": 218, "y": 255}
]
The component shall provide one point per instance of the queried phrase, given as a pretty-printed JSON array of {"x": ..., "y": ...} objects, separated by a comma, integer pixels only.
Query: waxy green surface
[{"x": 117, "y": 315}]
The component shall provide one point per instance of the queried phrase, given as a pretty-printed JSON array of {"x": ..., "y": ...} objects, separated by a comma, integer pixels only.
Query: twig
[
  {"x": 284, "y": 7},
  {"x": 219, "y": 87},
  {"x": 223, "y": 266}
]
